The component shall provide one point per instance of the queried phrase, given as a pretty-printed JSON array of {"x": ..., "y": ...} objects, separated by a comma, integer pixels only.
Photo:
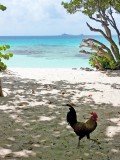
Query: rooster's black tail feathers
[{"x": 71, "y": 116}]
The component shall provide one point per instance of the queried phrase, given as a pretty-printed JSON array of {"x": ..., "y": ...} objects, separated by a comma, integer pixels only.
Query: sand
[{"x": 33, "y": 114}]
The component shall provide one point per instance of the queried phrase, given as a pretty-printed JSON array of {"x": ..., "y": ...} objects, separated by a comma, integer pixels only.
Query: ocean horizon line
[{"x": 62, "y": 35}]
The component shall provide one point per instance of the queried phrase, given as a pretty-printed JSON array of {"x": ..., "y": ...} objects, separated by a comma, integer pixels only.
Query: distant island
[{"x": 71, "y": 35}]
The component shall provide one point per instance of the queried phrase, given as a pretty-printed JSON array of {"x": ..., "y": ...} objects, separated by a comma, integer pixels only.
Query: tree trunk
[
  {"x": 114, "y": 48},
  {"x": 1, "y": 92}
]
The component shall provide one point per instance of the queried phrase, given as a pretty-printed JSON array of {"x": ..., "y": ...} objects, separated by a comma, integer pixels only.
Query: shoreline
[{"x": 33, "y": 113}]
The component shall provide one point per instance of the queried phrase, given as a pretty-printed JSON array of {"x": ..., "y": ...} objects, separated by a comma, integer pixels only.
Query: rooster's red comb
[{"x": 94, "y": 114}]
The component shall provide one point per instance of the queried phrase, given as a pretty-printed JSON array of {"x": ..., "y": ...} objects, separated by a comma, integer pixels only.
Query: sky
[{"x": 42, "y": 17}]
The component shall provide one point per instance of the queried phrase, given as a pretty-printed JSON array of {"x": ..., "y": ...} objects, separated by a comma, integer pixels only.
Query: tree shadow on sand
[
  {"x": 112, "y": 73},
  {"x": 33, "y": 121}
]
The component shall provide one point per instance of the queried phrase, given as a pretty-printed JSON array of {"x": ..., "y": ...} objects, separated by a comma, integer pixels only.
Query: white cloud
[
  {"x": 40, "y": 17},
  {"x": 30, "y": 10}
]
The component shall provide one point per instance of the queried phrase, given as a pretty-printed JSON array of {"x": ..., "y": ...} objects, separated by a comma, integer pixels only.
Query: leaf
[
  {"x": 4, "y": 55},
  {"x": 10, "y": 54},
  {"x": 3, "y": 8},
  {"x": 7, "y": 46},
  {"x": 98, "y": 16}
]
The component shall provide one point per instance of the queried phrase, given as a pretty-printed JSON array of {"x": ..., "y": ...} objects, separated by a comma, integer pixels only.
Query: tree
[
  {"x": 3, "y": 48},
  {"x": 1, "y": 92},
  {"x": 3, "y": 55},
  {"x": 100, "y": 11}
]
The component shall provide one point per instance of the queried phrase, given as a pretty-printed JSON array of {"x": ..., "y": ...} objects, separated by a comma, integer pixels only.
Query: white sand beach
[{"x": 33, "y": 114}]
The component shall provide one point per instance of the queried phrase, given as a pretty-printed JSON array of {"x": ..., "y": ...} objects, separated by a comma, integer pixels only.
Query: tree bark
[
  {"x": 114, "y": 47},
  {"x": 1, "y": 92},
  {"x": 113, "y": 24},
  {"x": 101, "y": 49}
]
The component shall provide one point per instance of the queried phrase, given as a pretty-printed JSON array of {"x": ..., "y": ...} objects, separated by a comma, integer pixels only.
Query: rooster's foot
[{"x": 95, "y": 140}]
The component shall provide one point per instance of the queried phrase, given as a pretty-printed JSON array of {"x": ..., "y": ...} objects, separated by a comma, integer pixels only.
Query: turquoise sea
[{"x": 47, "y": 51}]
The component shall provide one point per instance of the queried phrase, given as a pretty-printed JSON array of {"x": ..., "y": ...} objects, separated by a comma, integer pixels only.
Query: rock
[{"x": 23, "y": 104}]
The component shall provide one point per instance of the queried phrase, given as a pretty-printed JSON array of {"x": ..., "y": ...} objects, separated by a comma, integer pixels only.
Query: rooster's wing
[{"x": 80, "y": 129}]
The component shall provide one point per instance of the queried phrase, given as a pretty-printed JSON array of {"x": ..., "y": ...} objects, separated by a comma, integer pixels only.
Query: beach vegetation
[
  {"x": 102, "y": 12},
  {"x": 2, "y": 7},
  {"x": 104, "y": 63},
  {"x": 3, "y": 54}
]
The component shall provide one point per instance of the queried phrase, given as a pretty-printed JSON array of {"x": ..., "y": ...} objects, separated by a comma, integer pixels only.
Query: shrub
[
  {"x": 101, "y": 62},
  {"x": 4, "y": 55}
]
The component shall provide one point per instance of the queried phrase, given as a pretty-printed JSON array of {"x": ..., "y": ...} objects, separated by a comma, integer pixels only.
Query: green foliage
[
  {"x": 89, "y": 7},
  {"x": 3, "y": 8},
  {"x": 5, "y": 56},
  {"x": 95, "y": 59},
  {"x": 101, "y": 11}
]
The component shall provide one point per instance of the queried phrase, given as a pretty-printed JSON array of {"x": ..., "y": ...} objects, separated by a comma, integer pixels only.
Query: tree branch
[
  {"x": 89, "y": 43},
  {"x": 93, "y": 40},
  {"x": 113, "y": 24},
  {"x": 113, "y": 44},
  {"x": 85, "y": 52},
  {"x": 95, "y": 19},
  {"x": 98, "y": 65},
  {"x": 97, "y": 30},
  {"x": 101, "y": 44},
  {"x": 1, "y": 92}
]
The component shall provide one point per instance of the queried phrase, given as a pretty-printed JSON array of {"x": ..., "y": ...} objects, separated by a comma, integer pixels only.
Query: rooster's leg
[
  {"x": 94, "y": 140},
  {"x": 78, "y": 142}
]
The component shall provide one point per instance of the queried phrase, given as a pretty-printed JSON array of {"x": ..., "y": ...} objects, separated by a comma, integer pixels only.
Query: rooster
[{"x": 80, "y": 128}]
